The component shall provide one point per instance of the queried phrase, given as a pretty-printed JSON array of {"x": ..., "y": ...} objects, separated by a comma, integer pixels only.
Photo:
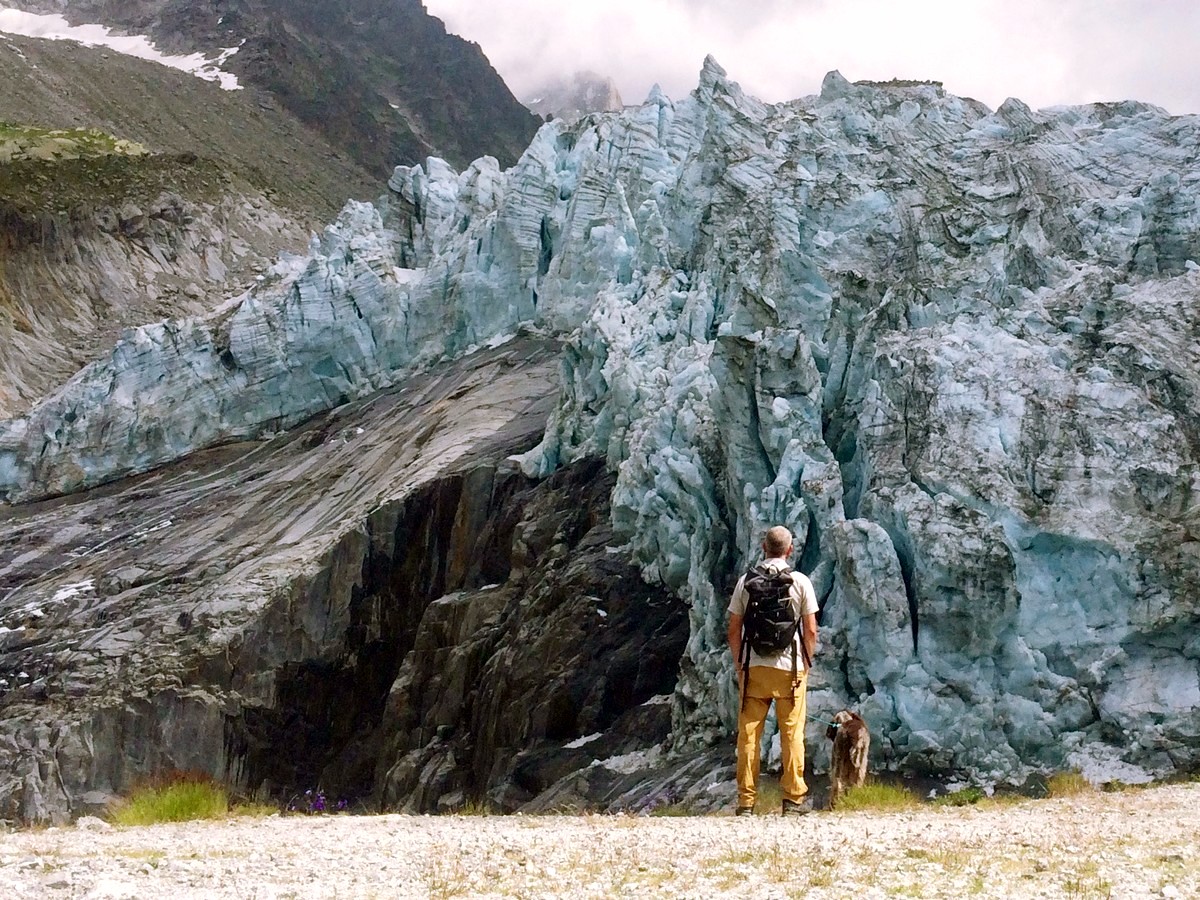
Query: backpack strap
[{"x": 797, "y": 634}]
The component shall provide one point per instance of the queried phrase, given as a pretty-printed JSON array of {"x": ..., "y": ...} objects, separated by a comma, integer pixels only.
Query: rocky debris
[{"x": 1132, "y": 844}]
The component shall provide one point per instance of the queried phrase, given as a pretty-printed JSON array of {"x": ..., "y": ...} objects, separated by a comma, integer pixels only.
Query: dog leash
[{"x": 822, "y": 721}]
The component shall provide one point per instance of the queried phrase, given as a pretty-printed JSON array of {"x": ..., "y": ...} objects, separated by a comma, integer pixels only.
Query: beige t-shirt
[{"x": 804, "y": 602}]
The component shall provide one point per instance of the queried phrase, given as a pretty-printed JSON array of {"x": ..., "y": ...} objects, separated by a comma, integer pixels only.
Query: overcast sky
[{"x": 1045, "y": 52}]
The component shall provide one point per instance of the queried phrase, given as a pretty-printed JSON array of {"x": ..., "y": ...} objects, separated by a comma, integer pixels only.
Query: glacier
[{"x": 955, "y": 350}]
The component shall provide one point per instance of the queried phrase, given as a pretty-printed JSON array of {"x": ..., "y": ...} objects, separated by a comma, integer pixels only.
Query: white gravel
[{"x": 1141, "y": 843}]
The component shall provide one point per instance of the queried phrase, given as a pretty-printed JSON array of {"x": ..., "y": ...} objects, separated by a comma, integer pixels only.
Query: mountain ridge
[{"x": 381, "y": 79}]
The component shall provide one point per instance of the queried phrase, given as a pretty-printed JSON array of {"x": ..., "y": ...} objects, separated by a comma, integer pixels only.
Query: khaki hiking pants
[{"x": 764, "y": 684}]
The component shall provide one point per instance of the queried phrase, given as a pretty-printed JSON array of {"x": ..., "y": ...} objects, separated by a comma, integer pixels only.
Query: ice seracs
[{"x": 952, "y": 348}]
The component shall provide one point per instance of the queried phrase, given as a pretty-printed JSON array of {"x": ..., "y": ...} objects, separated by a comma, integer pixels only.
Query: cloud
[{"x": 1068, "y": 51}]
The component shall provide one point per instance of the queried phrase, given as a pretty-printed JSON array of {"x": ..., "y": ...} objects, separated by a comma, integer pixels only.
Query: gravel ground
[{"x": 1141, "y": 843}]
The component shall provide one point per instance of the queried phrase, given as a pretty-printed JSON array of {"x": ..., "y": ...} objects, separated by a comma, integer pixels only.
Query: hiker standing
[{"x": 772, "y": 633}]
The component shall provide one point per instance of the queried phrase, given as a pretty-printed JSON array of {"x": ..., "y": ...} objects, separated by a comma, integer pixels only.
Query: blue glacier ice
[{"x": 953, "y": 349}]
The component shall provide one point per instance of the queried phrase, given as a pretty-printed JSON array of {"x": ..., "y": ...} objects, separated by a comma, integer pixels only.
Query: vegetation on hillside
[
  {"x": 19, "y": 142},
  {"x": 40, "y": 193}
]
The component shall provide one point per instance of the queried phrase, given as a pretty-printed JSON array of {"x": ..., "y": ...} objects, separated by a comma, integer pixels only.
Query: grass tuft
[
  {"x": 179, "y": 801},
  {"x": 1068, "y": 784},
  {"x": 475, "y": 808},
  {"x": 19, "y": 142},
  {"x": 876, "y": 795}
]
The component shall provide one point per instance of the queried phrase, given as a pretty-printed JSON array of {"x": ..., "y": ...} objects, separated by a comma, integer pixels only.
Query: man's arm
[
  {"x": 734, "y": 635},
  {"x": 809, "y": 634}
]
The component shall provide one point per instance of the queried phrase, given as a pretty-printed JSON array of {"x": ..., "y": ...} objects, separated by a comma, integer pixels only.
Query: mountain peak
[{"x": 575, "y": 96}]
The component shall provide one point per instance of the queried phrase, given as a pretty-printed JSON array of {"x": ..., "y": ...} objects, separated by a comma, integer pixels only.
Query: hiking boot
[
  {"x": 744, "y": 811},
  {"x": 794, "y": 808}
]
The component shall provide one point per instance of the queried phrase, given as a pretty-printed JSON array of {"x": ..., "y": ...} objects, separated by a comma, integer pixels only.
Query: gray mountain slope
[
  {"x": 381, "y": 80},
  {"x": 90, "y": 246}
]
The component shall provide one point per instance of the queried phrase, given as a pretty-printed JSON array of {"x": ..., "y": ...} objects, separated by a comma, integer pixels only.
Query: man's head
[{"x": 778, "y": 543}]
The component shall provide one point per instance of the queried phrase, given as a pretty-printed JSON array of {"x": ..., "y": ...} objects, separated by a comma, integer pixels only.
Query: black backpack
[{"x": 770, "y": 625}]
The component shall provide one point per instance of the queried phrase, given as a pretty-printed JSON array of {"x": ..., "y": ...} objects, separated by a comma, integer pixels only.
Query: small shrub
[
  {"x": 875, "y": 795},
  {"x": 178, "y": 801},
  {"x": 1068, "y": 784},
  {"x": 967, "y": 796}
]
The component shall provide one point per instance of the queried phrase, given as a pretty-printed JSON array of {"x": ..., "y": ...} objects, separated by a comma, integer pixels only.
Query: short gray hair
[{"x": 777, "y": 540}]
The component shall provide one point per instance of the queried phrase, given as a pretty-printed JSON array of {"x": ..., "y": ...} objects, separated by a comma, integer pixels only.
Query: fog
[{"x": 1045, "y": 53}]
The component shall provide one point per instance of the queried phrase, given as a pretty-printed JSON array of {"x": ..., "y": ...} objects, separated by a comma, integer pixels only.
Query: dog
[{"x": 848, "y": 760}]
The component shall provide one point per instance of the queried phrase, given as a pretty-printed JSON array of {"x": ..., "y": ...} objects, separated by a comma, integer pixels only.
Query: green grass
[
  {"x": 183, "y": 797},
  {"x": 968, "y": 796},
  {"x": 180, "y": 801},
  {"x": 876, "y": 795}
]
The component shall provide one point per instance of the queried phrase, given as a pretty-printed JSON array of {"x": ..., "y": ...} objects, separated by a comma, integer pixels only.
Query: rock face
[
  {"x": 570, "y": 99},
  {"x": 567, "y": 665},
  {"x": 170, "y": 239},
  {"x": 380, "y": 79},
  {"x": 953, "y": 349},
  {"x": 245, "y": 613}
]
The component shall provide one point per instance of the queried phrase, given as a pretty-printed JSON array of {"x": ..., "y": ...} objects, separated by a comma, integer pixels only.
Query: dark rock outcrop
[{"x": 567, "y": 661}]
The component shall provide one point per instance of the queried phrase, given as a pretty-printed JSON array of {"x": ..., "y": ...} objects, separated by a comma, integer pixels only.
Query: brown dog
[{"x": 848, "y": 760}]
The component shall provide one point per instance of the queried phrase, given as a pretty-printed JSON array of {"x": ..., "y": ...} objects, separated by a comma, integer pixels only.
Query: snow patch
[
  {"x": 580, "y": 742},
  {"x": 166, "y": 523},
  {"x": 56, "y": 28},
  {"x": 67, "y": 591},
  {"x": 629, "y": 763}
]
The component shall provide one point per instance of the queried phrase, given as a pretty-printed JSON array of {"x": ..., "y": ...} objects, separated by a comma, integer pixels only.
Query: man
[{"x": 782, "y": 677}]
